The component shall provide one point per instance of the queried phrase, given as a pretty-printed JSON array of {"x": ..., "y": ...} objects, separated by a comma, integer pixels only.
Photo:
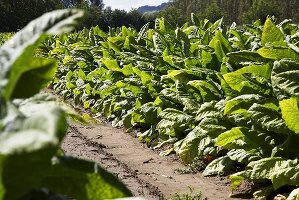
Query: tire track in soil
[
  {"x": 77, "y": 145},
  {"x": 144, "y": 172}
]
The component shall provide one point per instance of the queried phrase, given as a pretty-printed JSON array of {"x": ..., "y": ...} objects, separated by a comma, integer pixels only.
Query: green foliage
[
  {"x": 224, "y": 95},
  {"x": 213, "y": 12},
  {"x": 187, "y": 196},
  {"x": 4, "y": 37},
  {"x": 290, "y": 113},
  {"x": 261, "y": 9},
  {"x": 242, "y": 11},
  {"x": 16, "y": 14},
  {"x": 32, "y": 126}
]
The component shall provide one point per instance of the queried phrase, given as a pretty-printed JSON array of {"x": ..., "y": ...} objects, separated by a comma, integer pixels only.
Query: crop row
[{"x": 228, "y": 95}]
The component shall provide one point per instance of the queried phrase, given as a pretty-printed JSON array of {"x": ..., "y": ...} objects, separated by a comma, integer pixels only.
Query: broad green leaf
[
  {"x": 146, "y": 78},
  {"x": 184, "y": 76},
  {"x": 135, "y": 89},
  {"x": 219, "y": 166},
  {"x": 143, "y": 31},
  {"x": 168, "y": 127},
  {"x": 175, "y": 115},
  {"x": 244, "y": 138},
  {"x": 268, "y": 119},
  {"x": 97, "y": 31},
  {"x": 271, "y": 33},
  {"x": 242, "y": 156},
  {"x": 188, "y": 149},
  {"x": 286, "y": 175},
  {"x": 224, "y": 42},
  {"x": 46, "y": 128},
  {"x": 221, "y": 45},
  {"x": 114, "y": 46},
  {"x": 181, "y": 75},
  {"x": 245, "y": 56},
  {"x": 158, "y": 43},
  {"x": 146, "y": 114},
  {"x": 111, "y": 65},
  {"x": 207, "y": 147},
  {"x": 68, "y": 176},
  {"x": 216, "y": 44},
  {"x": 285, "y": 77},
  {"x": 165, "y": 103},
  {"x": 238, "y": 81},
  {"x": 78, "y": 174},
  {"x": 216, "y": 25},
  {"x": 26, "y": 40},
  {"x": 207, "y": 110},
  {"x": 290, "y": 113},
  {"x": 175, "y": 61},
  {"x": 209, "y": 60},
  {"x": 127, "y": 70},
  {"x": 193, "y": 144},
  {"x": 267, "y": 167},
  {"x": 162, "y": 25},
  {"x": 278, "y": 53},
  {"x": 229, "y": 137},
  {"x": 33, "y": 77},
  {"x": 241, "y": 103},
  {"x": 208, "y": 90},
  {"x": 212, "y": 126}
]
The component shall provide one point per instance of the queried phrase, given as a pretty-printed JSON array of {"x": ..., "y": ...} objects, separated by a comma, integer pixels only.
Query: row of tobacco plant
[{"x": 228, "y": 93}]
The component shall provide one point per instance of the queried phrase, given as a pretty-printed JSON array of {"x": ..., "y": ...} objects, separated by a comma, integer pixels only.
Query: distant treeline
[
  {"x": 240, "y": 11},
  {"x": 15, "y": 14}
]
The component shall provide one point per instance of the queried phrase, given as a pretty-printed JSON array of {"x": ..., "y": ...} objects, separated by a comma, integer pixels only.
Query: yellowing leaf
[{"x": 290, "y": 113}]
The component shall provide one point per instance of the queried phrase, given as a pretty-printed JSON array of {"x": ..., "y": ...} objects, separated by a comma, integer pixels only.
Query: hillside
[{"x": 147, "y": 8}]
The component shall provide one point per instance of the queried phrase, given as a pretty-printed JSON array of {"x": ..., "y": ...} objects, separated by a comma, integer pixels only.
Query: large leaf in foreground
[
  {"x": 27, "y": 162},
  {"x": 72, "y": 177},
  {"x": 25, "y": 41}
]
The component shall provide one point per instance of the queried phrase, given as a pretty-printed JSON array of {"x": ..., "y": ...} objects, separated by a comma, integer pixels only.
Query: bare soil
[{"x": 144, "y": 172}]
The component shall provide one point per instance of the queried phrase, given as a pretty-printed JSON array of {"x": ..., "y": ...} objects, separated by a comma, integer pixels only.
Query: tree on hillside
[
  {"x": 17, "y": 13},
  {"x": 98, "y": 3},
  {"x": 261, "y": 9},
  {"x": 213, "y": 12},
  {"x": 239, "y": 11},
  {"x": 173, "y": 15}
]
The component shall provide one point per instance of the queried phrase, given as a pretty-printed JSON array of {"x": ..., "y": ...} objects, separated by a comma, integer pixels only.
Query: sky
[{"x": 128, "y": 4}]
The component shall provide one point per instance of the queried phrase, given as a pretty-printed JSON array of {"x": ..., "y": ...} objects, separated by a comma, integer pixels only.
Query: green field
[{"x": 227, "y": 95}]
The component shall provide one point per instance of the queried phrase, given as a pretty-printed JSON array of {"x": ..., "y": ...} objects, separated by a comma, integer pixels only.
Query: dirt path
[{"x": 145, "y": 172}]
